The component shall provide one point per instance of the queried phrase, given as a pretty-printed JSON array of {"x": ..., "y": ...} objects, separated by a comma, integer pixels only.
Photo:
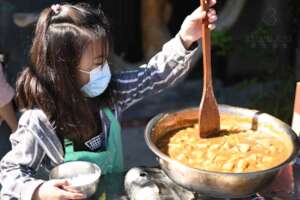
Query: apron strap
[
  {"x": 110, "y": 115},
  {"x": 69, "y": 147}
]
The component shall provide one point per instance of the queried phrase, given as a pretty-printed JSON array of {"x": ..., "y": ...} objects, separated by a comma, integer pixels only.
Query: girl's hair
[{"x": 50, "y": 82}]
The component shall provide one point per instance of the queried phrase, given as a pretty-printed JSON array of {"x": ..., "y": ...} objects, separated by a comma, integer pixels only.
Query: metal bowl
[
  {"x": 220, "y": 184},
  {"x": 87, "y": 183}
]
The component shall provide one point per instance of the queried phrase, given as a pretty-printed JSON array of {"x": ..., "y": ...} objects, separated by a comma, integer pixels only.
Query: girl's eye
[{"x": 98, "y": 64}]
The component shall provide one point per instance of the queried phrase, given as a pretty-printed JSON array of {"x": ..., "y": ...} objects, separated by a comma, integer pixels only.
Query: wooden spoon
[{"x": 209, "y": 116}]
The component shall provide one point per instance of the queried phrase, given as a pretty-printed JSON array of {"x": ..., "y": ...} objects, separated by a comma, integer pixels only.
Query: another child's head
[{"x": 69, "y": 41}]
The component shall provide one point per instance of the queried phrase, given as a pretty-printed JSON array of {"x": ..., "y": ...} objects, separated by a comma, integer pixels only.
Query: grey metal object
[
  {"x": 23, "y": 20},
  {"x": 73, "y": 169},
  {"x": 151, "y": 183},
  {"x": 218, "y": 184}
]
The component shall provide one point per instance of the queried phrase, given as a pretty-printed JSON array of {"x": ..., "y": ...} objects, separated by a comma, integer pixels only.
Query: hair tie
[{"x": 56, "y": 8}]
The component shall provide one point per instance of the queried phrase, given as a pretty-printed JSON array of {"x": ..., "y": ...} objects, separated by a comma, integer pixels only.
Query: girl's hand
[
  {"x": 191, "y": 27},
  {"x": 52, "y": 190}
]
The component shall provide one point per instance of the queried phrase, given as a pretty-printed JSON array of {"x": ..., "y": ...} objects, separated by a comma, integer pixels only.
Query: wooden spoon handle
[{"x": 206, "y": 46}]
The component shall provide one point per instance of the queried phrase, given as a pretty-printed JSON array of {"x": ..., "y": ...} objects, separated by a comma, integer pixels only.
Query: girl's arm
[
  {"x": 163, "y": 70},
  {"x": 19, "y": 165},
  {"x": 166, "y": 67},
  {"x": 33, "y": 142}
]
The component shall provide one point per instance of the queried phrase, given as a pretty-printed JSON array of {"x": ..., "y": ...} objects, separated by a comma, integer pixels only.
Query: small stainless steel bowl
[
  {"x": 219, "y": 184},
  {"x": 74, "y": 169}
]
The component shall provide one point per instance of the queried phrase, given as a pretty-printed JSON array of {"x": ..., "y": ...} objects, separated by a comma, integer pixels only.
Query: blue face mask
[{"x": 99, "y": 79}]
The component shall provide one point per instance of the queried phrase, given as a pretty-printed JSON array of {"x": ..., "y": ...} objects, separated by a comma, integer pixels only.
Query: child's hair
[{"x": 50, "y": 82}]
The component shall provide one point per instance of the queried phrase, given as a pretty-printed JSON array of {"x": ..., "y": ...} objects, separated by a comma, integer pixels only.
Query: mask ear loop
[{"x": 84, "y": 71}]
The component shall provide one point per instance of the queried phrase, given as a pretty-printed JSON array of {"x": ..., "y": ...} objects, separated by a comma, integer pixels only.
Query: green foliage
[
  {"x": 265, "y": 45},
  {"x": 261, "y": 39},
  {"x": 245, "y": 84},
  {"x": 278, "y": 102},
  {"x": 222, "y": 41}
]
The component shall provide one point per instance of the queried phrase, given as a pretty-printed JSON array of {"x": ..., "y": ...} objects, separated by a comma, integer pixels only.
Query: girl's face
[{"x": 92, "y": 57}]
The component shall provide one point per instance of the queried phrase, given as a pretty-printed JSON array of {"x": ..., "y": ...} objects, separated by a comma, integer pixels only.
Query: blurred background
[{"x": 256, "y": 56}]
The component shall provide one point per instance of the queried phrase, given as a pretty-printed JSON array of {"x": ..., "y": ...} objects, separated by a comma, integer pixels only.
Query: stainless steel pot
[{"x": 219, "y": 184}]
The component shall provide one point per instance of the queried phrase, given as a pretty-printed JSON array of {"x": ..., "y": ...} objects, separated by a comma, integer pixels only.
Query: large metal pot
[{"x": 219, "y": 184}]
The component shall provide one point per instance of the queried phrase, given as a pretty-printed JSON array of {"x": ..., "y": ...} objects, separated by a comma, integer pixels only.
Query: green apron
[{"x": 111, "y": 160}]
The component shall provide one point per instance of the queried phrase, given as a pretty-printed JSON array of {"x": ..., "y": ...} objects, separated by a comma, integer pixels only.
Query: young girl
[{"x": 73, "y": 102}]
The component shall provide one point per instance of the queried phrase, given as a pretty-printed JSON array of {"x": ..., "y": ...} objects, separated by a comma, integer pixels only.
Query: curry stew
[{"x": 236, "y": 150}]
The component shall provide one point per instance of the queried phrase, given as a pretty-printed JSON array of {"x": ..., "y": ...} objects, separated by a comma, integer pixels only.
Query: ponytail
[{"x": 38, "y": 50}]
